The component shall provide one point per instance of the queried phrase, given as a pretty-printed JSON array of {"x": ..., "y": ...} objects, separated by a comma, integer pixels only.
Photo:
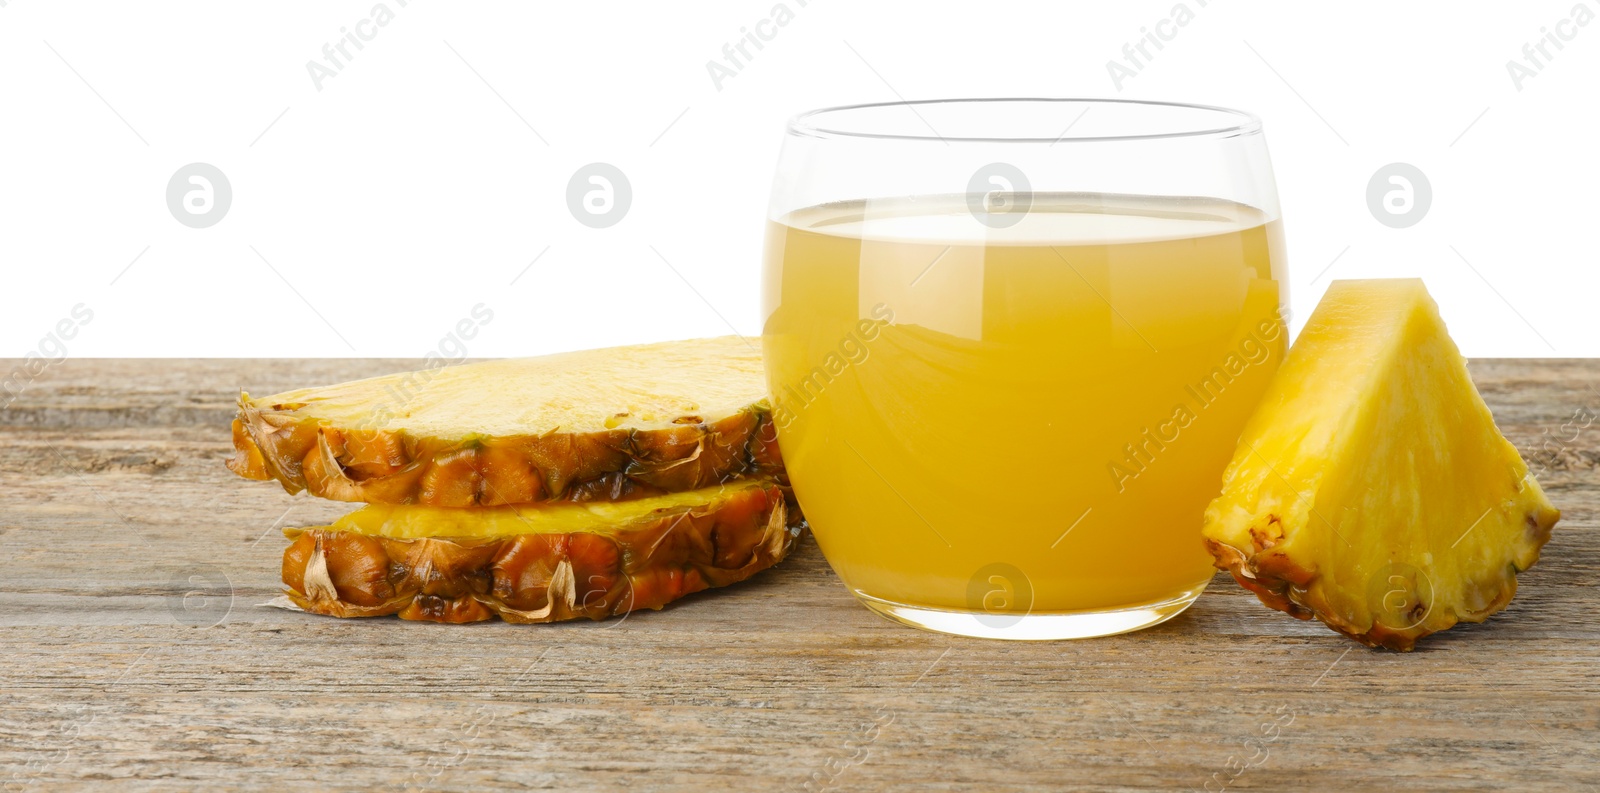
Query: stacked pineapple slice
[{"x": 577, "y": 485}]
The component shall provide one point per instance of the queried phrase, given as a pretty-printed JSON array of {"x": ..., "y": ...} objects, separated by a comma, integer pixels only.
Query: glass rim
[{"x": 804, "y": 124}]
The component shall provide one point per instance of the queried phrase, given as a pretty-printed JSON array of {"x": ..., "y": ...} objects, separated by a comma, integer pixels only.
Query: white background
[{"x": 432, "y": 170}]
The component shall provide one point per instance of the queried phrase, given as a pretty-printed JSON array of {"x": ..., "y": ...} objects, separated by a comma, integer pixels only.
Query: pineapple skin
[
  {"x": 547, "y": 577},
  {"x": 273, "y": 442},
  {"x": 1354, "y": 499}
]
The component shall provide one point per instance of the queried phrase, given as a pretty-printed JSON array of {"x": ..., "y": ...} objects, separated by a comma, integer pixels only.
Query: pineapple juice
[{"x": 1022, "y": 418}]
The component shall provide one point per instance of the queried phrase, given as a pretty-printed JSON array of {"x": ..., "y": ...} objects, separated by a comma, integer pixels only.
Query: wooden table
[{"x": 114, "y": 495}]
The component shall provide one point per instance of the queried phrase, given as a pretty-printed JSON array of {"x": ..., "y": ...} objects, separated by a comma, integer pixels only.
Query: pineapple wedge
[
  {"x": 539, "y": 564},
  {"x": 610, "y": 424},
  {"x": 1371, "y": 489}
]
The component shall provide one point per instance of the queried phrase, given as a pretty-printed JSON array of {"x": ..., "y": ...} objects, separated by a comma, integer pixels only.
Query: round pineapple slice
[
  {"x": 537, "y": 564},
  {"x": 609, "y": 424},
  {"x": 1371, "y": 489}
]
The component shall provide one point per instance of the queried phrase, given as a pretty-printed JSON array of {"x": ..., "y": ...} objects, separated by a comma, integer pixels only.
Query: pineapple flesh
[
  {"x": 537, "y": 564},
  {"x": 1371, "y": 489},
  {"x": 610, "y": 424}
]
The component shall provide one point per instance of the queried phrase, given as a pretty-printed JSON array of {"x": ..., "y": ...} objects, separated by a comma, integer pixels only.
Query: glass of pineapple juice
[{"x": 1011, "y": 345}]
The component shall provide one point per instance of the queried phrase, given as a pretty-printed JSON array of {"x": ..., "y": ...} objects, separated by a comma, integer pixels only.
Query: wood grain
[{"x": 115, "y": 502}]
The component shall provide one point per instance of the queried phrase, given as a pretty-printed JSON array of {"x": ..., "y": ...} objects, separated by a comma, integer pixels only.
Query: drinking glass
[{"x": 1011, "y": 344}]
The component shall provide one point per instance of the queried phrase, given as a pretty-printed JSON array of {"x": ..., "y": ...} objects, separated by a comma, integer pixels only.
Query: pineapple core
[{"x": 1371, "y": 489}]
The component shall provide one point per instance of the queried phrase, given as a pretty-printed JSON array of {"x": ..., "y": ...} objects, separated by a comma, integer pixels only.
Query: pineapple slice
[
  {"x": 539, "y": 564},
  {"x": 610, "y": 424},
  {"x": 1371, "y": 489}
]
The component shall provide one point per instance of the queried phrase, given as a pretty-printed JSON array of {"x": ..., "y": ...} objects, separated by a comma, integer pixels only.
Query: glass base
[{"x": 1035, "y": 626}]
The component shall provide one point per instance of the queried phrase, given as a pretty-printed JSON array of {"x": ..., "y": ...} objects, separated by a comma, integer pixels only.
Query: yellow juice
[{"x": 1018, "y": 418}]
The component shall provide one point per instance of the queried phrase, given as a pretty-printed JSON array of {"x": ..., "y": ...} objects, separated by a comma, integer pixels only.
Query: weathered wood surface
[{"x": 114, "y": 489}]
